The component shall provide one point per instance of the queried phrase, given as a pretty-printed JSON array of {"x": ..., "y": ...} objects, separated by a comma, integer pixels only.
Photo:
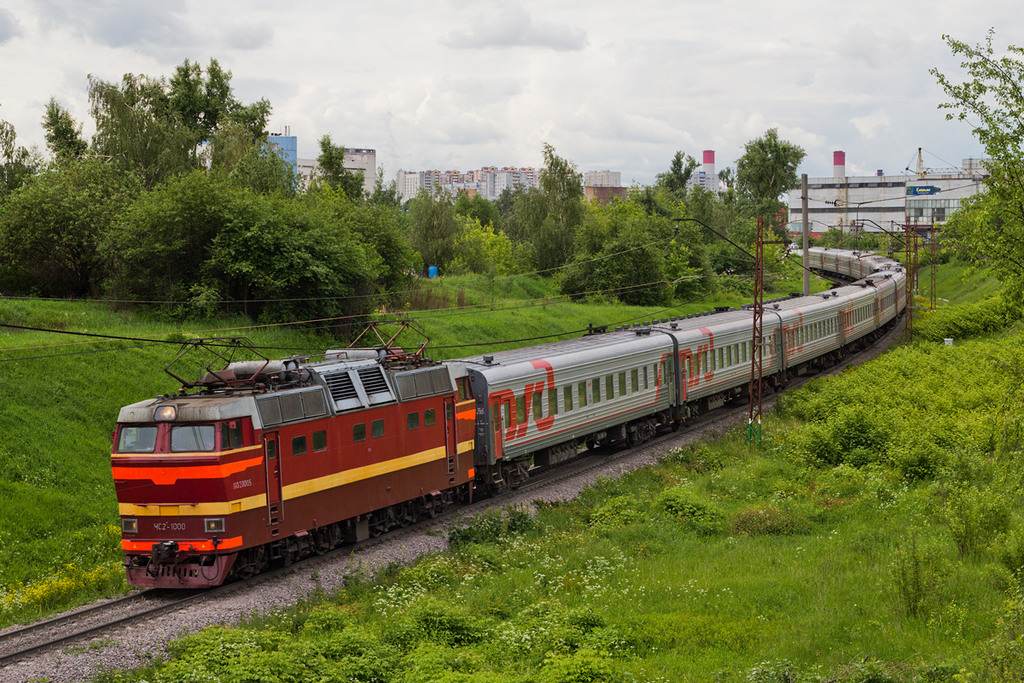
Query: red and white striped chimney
[
  {"x": 709, "y": 162},
  {"x": 838, "y": 164}
]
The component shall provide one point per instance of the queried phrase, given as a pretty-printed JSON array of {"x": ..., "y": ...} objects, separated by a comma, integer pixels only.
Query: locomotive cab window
[
  {"x": 230, "y": 435},
  {"x": 359, "y": 432},
  {"x": 299, "y": 445},
  {"x": 137, "y": 440},
  {"x": 320, "y": 440},
  {"x": 377, "y": 428},
  {"x": 428, "y": 417},
  {"x": 185, "y": 438},
  {"x": 412, "y": 421}
]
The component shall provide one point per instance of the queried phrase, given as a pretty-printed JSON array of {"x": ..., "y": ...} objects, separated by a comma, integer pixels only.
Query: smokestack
[
  {"x": 709, "y": 170},
  {"x": 838, "y": 164}
]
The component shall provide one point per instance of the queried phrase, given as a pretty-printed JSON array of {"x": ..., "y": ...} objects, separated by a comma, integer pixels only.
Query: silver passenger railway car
[{"x": 536, "y": 406}]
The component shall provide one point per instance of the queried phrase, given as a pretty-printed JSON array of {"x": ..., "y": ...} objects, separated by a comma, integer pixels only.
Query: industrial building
[{"x": 923, "y": 197}]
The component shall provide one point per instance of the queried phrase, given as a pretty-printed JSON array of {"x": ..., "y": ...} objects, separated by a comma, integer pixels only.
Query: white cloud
[
  {"x": 514, "y": 27},
  {"x": 872, "y": 124}
]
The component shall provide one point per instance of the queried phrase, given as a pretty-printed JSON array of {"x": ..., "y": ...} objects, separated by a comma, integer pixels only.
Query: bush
[
  {"x": 696, "y": 457},
  {"x": 974, "y": 516},
  {"x": 697, "y": 515},
  {"x": 767, "y": 520},
  {"x": 616, "y": 512},
  {"x": 492, "y": 526}
]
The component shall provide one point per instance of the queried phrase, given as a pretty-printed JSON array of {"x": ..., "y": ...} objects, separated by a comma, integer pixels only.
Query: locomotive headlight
[
  {"x": 129, "y": 525},
  {"x": 165, "y": 413},
  {"x": 214, "y": 525}
]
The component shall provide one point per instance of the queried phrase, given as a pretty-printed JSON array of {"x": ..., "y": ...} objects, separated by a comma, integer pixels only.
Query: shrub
[
  {"x": 685, "y": 506},
  {"x": 697, "y": 457},
  {"x": 617, "y": 511},
  {"x": 974, "y": 516},
  {"x": 492, "y": 526},
  {"x": 446, "y": 623},
  {"x": 915, "y": 573},
  {"x": 765, "y": 520}
]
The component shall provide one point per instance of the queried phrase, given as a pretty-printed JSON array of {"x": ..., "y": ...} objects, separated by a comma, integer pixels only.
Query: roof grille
[
  {"x": 373, "y": 380},
  {"x": 341, "y": 386}
]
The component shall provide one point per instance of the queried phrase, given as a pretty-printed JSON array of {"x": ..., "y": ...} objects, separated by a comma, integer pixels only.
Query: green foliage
[
  {"x": 51, "y": 229},
  {"x": 768, "y": 520},
  {"x": 697, "y": 515},
  {"x": 678, "y": 175},
  {"x": 63, "y": 134},
  {"x": 697, "y": 457},
  {"x": 491, "y": 526},
  {"x": 331, "y": 170},
  {"x": 917, "y": 575},
  {"x": 989, "y": 226},
  {"x": 434, "y": 228},
  {"x": 966, "y": 320},
  {"x": 17, "y": 164},
  {"x": 975, "y": 516},
  {"x": 766, "y": 170}
]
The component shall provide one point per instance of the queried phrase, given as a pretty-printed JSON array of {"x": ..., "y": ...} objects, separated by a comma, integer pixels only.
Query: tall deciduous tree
[
  {"x": 17, "y": 164},
  {"x": 63, "y": 133},
  {"x": 679, "y": 172},
  {"x": 434, "y": 227},
  {"x": 990, "y": 226},
  {"x": 766, "y": 170},
  {"x": 331, "y": 170},
  {"x": 52, "y": 228}
]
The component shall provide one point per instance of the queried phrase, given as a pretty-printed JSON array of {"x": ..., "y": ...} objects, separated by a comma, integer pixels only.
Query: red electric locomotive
[{"x": 265, "y": 462}]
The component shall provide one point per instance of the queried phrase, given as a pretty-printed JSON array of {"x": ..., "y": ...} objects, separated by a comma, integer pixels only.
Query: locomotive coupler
[{"x": 164, "y": 552}]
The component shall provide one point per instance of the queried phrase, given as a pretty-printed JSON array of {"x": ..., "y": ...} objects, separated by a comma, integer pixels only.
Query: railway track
[{"x": 106, "y": 618}]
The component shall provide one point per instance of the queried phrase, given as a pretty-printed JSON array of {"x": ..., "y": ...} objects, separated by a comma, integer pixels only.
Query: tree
[
  {"x": 989, "y": 227},
  {"x": 478, "y": 207},
  {"x": 264, "y": 171},
  {"x": 63, "y": 134},
  {"x": 52, "y": 228},
  {"x": 678, "y": 175},
  {"x": 434, "y": 228},
  {"x": 331, "y": 170},
  {"x": 766, "y": 170},
  {"x": 17, "y": 164},
  {"x": 136, "y": 129},
  {"x": 155, "y": 128}
]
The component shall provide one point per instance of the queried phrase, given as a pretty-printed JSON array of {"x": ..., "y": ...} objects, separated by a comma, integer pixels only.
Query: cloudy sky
[{"x": 458, "y": 84}]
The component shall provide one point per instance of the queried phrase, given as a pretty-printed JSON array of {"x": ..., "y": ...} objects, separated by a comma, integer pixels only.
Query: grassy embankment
[
  {"x": 59, "y": 533},
  {"x": 876, "y": 537}
]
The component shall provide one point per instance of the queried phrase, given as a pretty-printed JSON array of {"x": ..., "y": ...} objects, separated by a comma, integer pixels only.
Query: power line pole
[
  {"x": 807, "y": 234},
  {"x": 756, "y": 348}
]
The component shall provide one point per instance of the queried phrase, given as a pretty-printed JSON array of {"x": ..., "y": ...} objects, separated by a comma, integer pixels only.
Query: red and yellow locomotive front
[
  {"x": 264, "y": 467},
  {"x": 190, "y": 480}
]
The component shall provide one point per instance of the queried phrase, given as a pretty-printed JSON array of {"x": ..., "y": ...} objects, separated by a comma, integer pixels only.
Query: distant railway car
[{"x": 268, "y": 461}]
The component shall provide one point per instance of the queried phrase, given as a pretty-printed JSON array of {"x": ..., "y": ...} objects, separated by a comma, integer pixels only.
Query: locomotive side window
[
  {"x": 596, "y": 390},
  {"x": 320, "y": 440},
  {"x": 359, "y": 432},
  {"x": 552, "y": 402},
  {"x": 609, "y": 386},
  {"x": 230, "y": 435},
  {"x": 428, "y": 417},
  {"x": 298, "y": 445},
  {"x": 581, "y": 394},
  {"x": 520, "y": 409},
  {"x": 185, "y": 438},
  {"x": 136, "y": 440},
  {"x": 465, "y": 390},
  {"x": 567, "y": 391},
  {"x": 646, "y": 385},
  {"x": 412, "y": 421},
  {"x": 622, "y": 384},
  {"x": 536, "y": 406},
  {"x": 377, "y": 428}
]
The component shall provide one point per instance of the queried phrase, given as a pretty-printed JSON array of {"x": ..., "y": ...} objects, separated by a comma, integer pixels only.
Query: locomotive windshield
[
  {"x": 137, "y": 440},
  {"x": 186, "y": 438}
]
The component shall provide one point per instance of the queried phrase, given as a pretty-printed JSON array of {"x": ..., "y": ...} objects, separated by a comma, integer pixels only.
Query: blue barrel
[{"x": 432, "y": 271}]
